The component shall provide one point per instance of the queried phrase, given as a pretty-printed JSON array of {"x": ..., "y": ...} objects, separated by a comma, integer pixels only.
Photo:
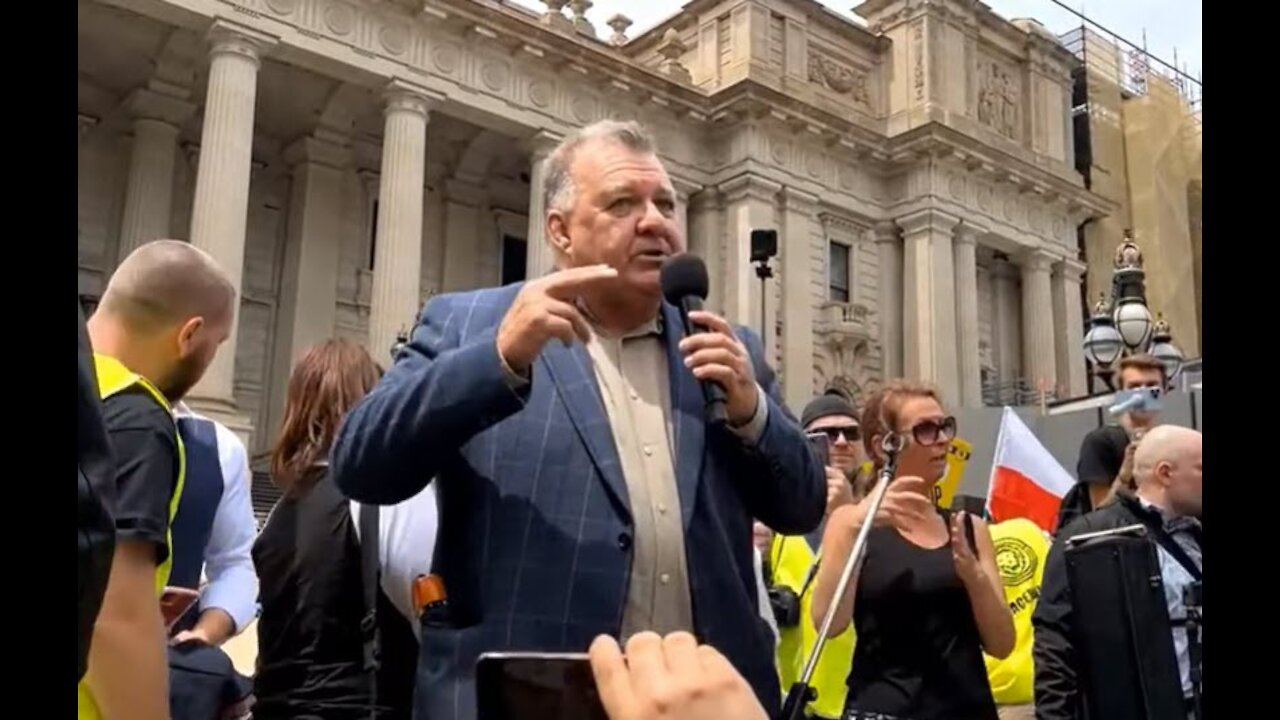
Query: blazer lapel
[
  {"x": 571, "y": 371},
  {"x": 688, "y": 414}
]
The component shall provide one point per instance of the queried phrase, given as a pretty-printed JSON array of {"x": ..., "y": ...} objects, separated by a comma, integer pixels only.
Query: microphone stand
[
  {"x": 801, "y": 692},
  {"x": 764, "y": 271}
]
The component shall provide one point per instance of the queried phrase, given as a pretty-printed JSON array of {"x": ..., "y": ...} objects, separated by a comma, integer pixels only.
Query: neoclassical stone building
[{"x": 346, "y": 159}]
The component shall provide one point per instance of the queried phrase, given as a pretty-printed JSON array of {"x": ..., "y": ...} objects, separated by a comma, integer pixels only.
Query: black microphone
[{"x": 684, "y": 284}]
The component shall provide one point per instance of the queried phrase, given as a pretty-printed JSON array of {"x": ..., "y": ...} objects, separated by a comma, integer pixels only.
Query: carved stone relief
[
  {"x": 839, "y": 79},
  {"x": 998, "y": 98}
]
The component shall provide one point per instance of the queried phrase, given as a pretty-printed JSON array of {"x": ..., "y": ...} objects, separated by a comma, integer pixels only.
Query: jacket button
[{"x": 624, "y": 541}]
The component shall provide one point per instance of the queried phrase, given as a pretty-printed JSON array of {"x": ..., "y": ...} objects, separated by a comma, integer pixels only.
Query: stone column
[
  {"x": 461, "y": 228},
  {"x": 684, "y": 192},
  {"x": 1007, "y": 328},
  {"x": 539, "y": 257},
  {"x": 1068, "y": 322},
  {"x": 928, "y": 307},
  {"x": 970, "y": 365},
  {"x": 706, "y": 228},
  {"x": 148, "y": 195},
  {"x": 797, "y": 296},
  {"x": 220, "y": 209},
  {"x": 307, "y": 307},
  {"x": 397, "y": 259},
  {"x": 749, "y": 205},
  {"x": 1037, "y": 322},
  {"x": 889, "y": 248}
]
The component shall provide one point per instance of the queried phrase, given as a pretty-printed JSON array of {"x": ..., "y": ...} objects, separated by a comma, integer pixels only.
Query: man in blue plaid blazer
[{"x": 500, "y": 398}]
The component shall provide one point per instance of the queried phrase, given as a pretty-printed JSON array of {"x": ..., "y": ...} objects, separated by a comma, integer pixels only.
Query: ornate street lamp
[{"x": 1122, "y": 325}]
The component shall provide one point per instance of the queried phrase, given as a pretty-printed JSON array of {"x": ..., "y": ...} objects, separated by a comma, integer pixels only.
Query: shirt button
[
  {"x": 665, "y": 578},
  {"x": 662, "y": 509},
  {"x": 635, "y": 395},
  {"x": 648, "y": 450}
]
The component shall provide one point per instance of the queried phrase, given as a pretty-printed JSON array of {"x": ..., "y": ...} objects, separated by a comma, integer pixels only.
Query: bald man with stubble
[
  {"x": 1169, "y": 501},
  {"x": 165, "y": 311}
]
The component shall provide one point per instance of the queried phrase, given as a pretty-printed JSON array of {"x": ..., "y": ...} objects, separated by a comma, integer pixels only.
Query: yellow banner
[{"x": 957, "y": 458}]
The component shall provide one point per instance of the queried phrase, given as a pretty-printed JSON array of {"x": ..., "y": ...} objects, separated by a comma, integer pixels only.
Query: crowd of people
[{"x": 535, "y": 471}]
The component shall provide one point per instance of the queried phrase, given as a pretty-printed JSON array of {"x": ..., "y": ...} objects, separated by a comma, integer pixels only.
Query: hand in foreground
[
  {"x": 905, "y": 500},
  {"x": 671, "y": 678},
  {"x": 719, "y": 356},
  {"x": 544, "y": 309}
]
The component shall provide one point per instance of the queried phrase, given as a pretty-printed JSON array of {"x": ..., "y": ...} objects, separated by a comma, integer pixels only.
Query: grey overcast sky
[{"x": 1169, "y": 24}]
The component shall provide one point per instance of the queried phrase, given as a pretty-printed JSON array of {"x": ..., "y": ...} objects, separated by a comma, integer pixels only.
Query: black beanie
[{"x": 826, "y": 405}]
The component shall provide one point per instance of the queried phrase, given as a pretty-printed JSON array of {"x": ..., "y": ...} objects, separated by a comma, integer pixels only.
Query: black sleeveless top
[{"x": 918, "y": 653}]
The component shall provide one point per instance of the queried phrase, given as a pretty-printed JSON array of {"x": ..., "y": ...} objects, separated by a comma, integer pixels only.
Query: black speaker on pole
[
  {"x": 764, "y": 245},
  {"x": 1125, "y": 661}
]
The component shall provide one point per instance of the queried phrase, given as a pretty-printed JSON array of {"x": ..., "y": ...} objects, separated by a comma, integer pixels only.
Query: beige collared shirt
[{"x": 634, "y": 384}]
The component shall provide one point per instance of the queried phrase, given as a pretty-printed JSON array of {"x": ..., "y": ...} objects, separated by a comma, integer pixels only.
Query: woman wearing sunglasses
[{"x": 928, "y": 600}]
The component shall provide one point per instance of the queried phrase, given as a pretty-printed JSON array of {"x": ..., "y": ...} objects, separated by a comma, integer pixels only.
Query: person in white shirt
[
  {"x": 406, "y": 544},
  {"x": 212, "y": 550}
]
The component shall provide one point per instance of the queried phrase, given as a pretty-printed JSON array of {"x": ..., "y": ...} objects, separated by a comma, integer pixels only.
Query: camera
[{"x": 786, "y": 606}]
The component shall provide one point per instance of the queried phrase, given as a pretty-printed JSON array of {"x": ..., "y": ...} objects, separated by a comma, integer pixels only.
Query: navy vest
[{"x": 201, "y": 494}]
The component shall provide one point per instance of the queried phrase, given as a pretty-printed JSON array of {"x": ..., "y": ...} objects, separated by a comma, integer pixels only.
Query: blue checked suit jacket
[{"x": 534, "y": 541}]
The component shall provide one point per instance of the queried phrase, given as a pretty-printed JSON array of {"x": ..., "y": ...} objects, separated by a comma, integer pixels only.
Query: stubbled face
[
  {"x": 1183, "y": 479},
  {"x": 847, "y": 452},
  {"x": 197, "y": 344},
  {"x": 623, "y": 215},
  {"x": 927, "y": 461}
]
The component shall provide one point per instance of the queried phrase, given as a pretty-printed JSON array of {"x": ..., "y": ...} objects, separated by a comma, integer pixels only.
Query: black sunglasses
[
  {"x": 851, "y": 433},
  {"x": 934, "y": 432}
]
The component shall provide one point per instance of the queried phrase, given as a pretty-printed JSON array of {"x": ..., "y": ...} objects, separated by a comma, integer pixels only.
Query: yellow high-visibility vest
[
  {"x": 1021, "y": 548},
  {"x": 115, "y": 378},
  {"x": 790, "y": 559}
]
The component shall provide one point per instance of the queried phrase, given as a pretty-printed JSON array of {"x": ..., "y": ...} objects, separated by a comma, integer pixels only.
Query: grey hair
[{"x": 557, "y": 184}]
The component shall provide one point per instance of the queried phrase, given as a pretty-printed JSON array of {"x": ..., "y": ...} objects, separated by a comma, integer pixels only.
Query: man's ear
[
  {"x": 187, "y": 334},
  {"x": 558, "y": 232}
]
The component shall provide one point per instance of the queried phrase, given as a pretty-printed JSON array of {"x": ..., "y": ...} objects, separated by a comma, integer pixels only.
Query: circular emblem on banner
[{"x": 1016, "y": 561}]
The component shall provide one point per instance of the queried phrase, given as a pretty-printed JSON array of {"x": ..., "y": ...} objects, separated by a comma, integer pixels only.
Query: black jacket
[
  {"x": 1056, "y": 688},
  {"x": 94, "y": 478}
]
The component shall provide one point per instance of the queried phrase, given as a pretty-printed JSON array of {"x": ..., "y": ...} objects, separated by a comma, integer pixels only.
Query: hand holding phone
[
  {"x": 176, "y": 602},
  {"x": 822, "y": 445},
  {"x": 536, "y": 686}
]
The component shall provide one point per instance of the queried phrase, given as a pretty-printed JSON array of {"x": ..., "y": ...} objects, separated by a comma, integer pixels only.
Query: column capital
[
  {"x": 886, "y": 231},
  {"x": 926, "y": 220},
  {"x": 684, "y": 188},
  {"x": 463, "y": 191},
  {"x": 798, "y": 200},
  {"x": 1069, "y": 269},
  {"x": 312, "y": 150},
  {"x": 226, "y": 37},
  {"x": 403, "y": 96},
  {"x": 967, "y": 233},
  {"x": 542, "y": 143},
  {"x": 146, "y": 104},
  {"x": 1037, "y": 260},
  {"x": 705, "y": 199},
  {"x": 752, "y": 186}
]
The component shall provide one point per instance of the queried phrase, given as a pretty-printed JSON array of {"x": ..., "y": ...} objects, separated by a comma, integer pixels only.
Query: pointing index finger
[{"x": 565, "y": 284}]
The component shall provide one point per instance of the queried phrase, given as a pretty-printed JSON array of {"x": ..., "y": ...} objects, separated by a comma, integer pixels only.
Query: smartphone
[
  {"x": 536, "y": 686},
  {"x": 822, "y": 445},
  {"x": 176, "y": 602}
]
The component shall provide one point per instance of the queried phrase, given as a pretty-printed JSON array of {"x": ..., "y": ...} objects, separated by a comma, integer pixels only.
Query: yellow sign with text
[{"x": 957, "y": 457}]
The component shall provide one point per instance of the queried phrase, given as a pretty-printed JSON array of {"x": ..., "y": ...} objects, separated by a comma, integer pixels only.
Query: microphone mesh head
[{"x": 684, "y": 275}]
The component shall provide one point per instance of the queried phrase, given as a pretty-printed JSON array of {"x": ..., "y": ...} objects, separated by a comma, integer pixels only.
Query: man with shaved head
[
  {"x": 165, "y": 311},
  {"x": 1168, "y": 501}
]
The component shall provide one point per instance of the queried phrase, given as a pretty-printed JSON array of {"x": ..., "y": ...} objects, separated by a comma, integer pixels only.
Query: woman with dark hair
[
  {"x": 928, "y": 599},
  {"x": 310, "y": 643}
]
